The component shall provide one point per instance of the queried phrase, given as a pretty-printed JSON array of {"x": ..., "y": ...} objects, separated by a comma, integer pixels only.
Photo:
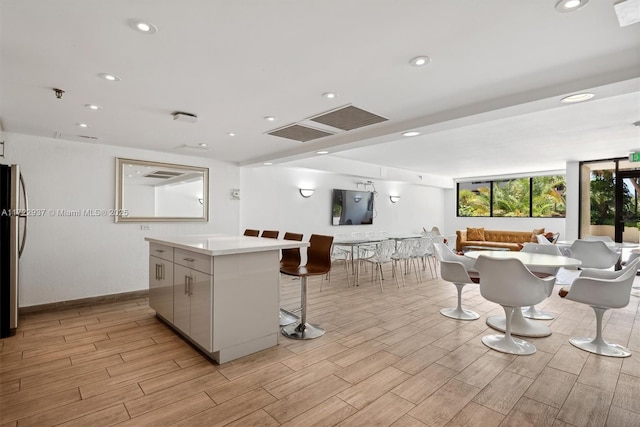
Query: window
[{"x": 538, "y": 197}]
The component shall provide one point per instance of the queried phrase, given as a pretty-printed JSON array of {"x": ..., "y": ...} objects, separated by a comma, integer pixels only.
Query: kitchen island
[{"x": 220, "y": 292}]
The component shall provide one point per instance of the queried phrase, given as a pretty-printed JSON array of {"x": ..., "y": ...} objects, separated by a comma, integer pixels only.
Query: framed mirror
[{"x": 153, "y": 191}]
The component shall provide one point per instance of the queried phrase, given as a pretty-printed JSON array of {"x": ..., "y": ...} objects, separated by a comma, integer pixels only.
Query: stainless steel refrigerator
[{"x": 13, "y": 232}]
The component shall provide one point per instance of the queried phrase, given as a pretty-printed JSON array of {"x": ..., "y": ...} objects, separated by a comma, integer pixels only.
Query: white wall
[
  {"x": 270, "y": 200},
  {"x": 72, "y": 257}
]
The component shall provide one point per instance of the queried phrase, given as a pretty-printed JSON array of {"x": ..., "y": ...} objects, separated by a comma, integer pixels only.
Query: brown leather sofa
[{"x": 512, "y": 240}]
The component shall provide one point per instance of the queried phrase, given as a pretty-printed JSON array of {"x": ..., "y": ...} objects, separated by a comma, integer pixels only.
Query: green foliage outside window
[{"x": 541, "y": 196}]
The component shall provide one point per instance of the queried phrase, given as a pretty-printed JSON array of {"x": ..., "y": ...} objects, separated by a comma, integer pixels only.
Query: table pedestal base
[{"x": 519, "y": 325}]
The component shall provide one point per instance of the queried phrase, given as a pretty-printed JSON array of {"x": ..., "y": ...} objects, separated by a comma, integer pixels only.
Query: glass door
[
  {"x": 627, "y": 226},
  {"x": 609, "y": 200}
]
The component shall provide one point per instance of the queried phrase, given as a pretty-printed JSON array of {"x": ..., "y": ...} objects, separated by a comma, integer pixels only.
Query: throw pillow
[
  {"x": 475, "y": 234},
  {"x": 534, "y": 234}
]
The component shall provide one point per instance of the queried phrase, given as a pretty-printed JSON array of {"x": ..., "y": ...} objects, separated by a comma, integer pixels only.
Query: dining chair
[
  {"x": 423, "y": 252},
  {"x": 606, "y": 239},
  {"x": 454, "y": 269},
  {"x": 602, "y": 290},
  {"x": 541, "y": 248},
  {"x": 251, "y": 233},
  {"x": 509, "y": 283},
  {"x": 402, "y": 255},
  {"x": 593, "y": 254},
  {"x": 382, "y": 256},
  {"x": 270, "y": 234}
]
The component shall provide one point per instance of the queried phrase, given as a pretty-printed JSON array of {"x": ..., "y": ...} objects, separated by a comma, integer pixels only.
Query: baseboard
[{"x": 84, "y": 302}]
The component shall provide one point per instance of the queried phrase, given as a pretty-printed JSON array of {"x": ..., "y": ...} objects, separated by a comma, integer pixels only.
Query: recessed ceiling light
[
  {"x": 202, "y": 144},
  {"x": 93, "y": 107},
  {"x": 411, "y": 133},
  {"x": 267, "y": 163},
  {"x": 578, "y": 97},
  {"x": 231, "y": 134},
  {"x": 420, "y": 61},
  {"x": 570, "y": 5},
  {"x": 143, "y": 26},
  {"x": 270, "y": 119},
  {"x": 109, "y": 77},
  {"x": 329, "y": 95},
  {"x": 322, "y": 152},
  {"x": 82, "y": 125}
]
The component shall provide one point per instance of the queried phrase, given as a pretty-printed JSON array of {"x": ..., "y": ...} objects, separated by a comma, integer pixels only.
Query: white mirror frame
[{"x": 122, "y": 210}]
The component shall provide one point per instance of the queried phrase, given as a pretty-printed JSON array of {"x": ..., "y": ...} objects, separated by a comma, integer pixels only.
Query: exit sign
[{"x": 634, "y": 157}]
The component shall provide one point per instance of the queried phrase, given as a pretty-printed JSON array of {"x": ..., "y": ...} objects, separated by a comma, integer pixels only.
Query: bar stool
[
  {"x": 290, "y": 259},
  {"x": 270, "y": 234},
  {"x": 251, "y": 233},
  {"x": 318, "y": 263}
]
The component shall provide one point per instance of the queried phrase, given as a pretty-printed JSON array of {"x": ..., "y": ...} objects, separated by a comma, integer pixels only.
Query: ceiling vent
[
  {"x": 163, "y": 174},
  {"x": 348, "y": 118},
  {"x": 299, "y": 133},
  {"x": 76, "y": 138}
]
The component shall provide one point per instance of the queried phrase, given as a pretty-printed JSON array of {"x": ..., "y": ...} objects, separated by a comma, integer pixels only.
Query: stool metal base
[
  {"x": 287, "y": 318},
  {"x": 302, "y": 331}
]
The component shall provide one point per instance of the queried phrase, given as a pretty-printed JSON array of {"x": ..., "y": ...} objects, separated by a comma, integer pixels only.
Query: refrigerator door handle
[{"x": 24, "y": 215}]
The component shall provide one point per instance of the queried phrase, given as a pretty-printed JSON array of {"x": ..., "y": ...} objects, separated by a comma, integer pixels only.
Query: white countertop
[{"x": 224, "y": 244}]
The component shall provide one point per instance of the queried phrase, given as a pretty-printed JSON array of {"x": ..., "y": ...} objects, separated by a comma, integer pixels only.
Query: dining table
[{"x": 519, "y": 324}]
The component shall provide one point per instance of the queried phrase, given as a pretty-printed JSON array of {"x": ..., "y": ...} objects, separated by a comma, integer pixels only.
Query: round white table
[{"x": 519, "y": 324}]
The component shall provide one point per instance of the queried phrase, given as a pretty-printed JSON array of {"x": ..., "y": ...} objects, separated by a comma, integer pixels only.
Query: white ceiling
[{"x": 488, "y": 103}]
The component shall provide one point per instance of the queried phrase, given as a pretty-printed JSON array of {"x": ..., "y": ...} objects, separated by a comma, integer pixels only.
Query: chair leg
[
  {"x": 302, "y": 330},
  {"x": 506, "y": 343},
  {"x": 394, "y": 273},
  {"x": 598, "y": 345},
  {"x": 459, "y": 312}
]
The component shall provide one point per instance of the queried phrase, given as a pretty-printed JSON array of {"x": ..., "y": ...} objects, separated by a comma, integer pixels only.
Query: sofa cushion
[
  {"x": 475, "y": 234},
  {"x": 534, "y": 234}
]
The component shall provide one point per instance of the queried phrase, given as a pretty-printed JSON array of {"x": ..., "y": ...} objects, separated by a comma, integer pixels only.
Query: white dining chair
[
  {"x": 593, "y": 254},
  {"x": 509, "y": 283},
  {"x": 532, "y": 312},
  {"x": 602, "y": 290},
  {"x": 458, "y": 270}
]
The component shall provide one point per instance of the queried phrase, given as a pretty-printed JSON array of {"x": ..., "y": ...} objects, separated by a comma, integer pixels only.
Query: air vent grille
[
  {"x": 348, "y": 118},
  {"x": 299, "y": 133}
]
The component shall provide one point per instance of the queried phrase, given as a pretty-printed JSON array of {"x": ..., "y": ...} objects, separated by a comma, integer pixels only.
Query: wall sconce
[
  {"x": 306, "y": 192},
  {"x": 394, "y": 199},
  {"x": 357, "y": 198}
]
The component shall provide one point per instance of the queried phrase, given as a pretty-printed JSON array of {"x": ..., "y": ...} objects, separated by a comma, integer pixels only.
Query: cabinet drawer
[
  {"x": 193, "y": 260},
  {"x": 161, "y": 251}
]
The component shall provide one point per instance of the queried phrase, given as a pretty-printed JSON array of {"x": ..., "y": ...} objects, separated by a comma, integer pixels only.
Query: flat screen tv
[{"x": 352, "y": 207}]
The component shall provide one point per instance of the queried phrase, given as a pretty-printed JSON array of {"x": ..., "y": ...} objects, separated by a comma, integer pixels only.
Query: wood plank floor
[{"x": 387, "y": 359}]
